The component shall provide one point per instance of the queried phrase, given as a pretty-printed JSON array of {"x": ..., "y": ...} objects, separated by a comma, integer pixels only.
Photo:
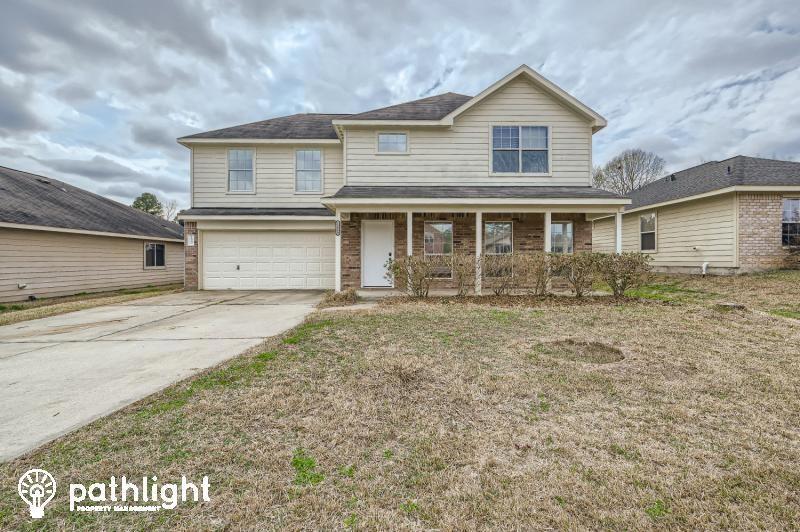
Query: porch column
[
  {"x": 618, "y": 227},
  {"x": 548, "y": 233},
  {"x": 478, "y": 251},
  {"x": 338, "y": 253},
  {"x": 409, "y": 232}
]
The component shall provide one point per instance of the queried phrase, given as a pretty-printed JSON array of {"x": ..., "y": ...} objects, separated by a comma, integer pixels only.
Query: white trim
[
  {"x": 344, "y": 157},
  {"x": 85, "y": 232},
  {"x": 548, "y": 235},
  {"x": 475, "y": 201},
  {"x": 519, "y": 150},
  {"x": 452, "y": 244},
  {"x": 144, "y": 255},
  {"x": 410, "y": 233},
  {"x": 337, "y": 281},
  {"x": 718, "y": 192},
  {"x": 570, "y": 222},
  {"x": 479, "y": 252},
  {"x": 598, "y": 122},
  {"x": 389, "y": 132},
  {"x": 618, "y": 233},
  {"x": 228, "y": 171},
  {"x": 381, "y": 222},
  {"x": 483, "y": 230},
  {"x": 241, "y": 217},
  {"x": 191, "y": 178},
  {"x": 188, "y": 142},
  {"x": 654, "y": 231},
  {"x": 321, "y": 190}
]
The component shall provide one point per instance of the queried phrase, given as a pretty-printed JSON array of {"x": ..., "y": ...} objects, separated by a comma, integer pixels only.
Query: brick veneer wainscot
[
  {"x": 190, "y": 256},
  {"x": 760, "y": 223}
]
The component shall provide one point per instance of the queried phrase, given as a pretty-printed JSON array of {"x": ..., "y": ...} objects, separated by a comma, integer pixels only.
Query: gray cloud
[{"x": 101, "y": 80}]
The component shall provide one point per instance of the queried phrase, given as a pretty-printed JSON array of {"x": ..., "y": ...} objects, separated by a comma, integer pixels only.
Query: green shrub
[
  {"x": 624, "y": 271},
  {"x": 579, "y": 269}
]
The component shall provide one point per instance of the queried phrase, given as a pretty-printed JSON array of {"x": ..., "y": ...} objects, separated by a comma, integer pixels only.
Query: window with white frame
[
  {"x": 240, "y": 170},
  {"x": 498, "y": 238},
  {"x": 561, "y": 238},
  {"x": 790, "y": 230},
  {"x": 520, "y": 150},
  {"x": 392, "y": 143},
  {"x": 308, "y": 171},
  {"x": 155, "y": 255},
  {"x": 439, "y": 242},
  {"x": 647, "y": 232}
]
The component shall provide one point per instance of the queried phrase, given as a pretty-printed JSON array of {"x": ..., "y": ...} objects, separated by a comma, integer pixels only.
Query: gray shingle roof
[
  {"x": 489, "y": 192},
  {"x": 716, "y": 175},
  {"x": 247, "y": 211},
  {"x": 299, "y": 126},
  {"x": 31, "y": 199},
  {"x": 430, "y": 108}
]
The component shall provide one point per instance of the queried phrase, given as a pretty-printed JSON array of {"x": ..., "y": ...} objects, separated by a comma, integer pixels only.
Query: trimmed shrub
[
  {"x": 413, "y": 274},
  {"x": 624, "y": 271},
  {"x": 463, "y": 272},
  {"x": 579, "y": 269},
  {"x": 498, "y": 272},
  {"x": 533, "y": 272}
]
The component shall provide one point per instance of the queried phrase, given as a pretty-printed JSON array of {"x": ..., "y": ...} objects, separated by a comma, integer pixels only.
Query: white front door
[{"x": 377, "y": 246}]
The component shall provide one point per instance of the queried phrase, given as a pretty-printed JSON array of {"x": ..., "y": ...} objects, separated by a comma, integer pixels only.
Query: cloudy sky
[{"x": 95, "y": 92}]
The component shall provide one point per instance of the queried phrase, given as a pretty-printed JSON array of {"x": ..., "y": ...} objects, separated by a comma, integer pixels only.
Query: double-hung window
[
  {"x": 155, "y": 255},
  {"x": 498, "y": 238},
  {"x": 392, "y": 143},
  {"x": 308, "y": 171},
  {"x": 561, "y": 237},
  {"x": 647, "y": 232},
  {"x": 439, "y": 242},
  {"x": 790, "y": 229},
  {"x": 240, "y": 170},
  {"x": 520, "y": 150}
]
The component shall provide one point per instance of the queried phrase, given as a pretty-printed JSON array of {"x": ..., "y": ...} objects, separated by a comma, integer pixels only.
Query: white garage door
[{"x": 267, "y": 260}]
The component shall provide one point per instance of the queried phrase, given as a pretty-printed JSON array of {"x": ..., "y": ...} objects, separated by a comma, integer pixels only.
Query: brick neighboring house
[
  {"x": 315, "y": 201},
  {"x": 735, "y": 216}
]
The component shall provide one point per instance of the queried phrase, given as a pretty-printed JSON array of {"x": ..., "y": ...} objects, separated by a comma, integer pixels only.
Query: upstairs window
[
  {"x": 154, "y": 255},
  {"x": 561, "y": 238},
  {"x": 392, "y": 143},
  {"x": 520, "y": 149},
  {"x": 790, "y": 233},
  {"x": 647, "y": 232},
  {"x": 308, "y": 171},
  {"x": 240, "y": 170}
]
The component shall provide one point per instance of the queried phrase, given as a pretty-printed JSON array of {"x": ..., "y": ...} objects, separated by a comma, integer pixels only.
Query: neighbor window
[
  {"x": 498, "y": 238},
  {"x": 154, "y": 255},
  {"x": 520, "y": 149},
  {"x": 240, "y": 170},
  {"x": 647, "y": 232},
  {"x": 791, "y": 222},
  {"x": 561, "y": 240},
  {"x": 439, "y": 241},
  {"x": 392, "y": 143},
  {"x": 308, "y": 171}
]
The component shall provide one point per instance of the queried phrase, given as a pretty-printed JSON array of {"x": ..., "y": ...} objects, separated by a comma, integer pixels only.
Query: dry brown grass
[
  {"x": 42, "y": 308},
  {"x": 461, "y": 416}
]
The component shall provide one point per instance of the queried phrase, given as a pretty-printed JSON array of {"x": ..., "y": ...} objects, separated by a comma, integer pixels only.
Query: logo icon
[{"x": 37, "y": 487}]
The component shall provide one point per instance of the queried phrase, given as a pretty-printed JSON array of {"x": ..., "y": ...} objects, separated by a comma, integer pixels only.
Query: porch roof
[{"x": 472, "y": 192}]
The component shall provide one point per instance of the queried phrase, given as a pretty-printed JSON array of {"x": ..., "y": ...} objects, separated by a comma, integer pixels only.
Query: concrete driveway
[{"x": 59, "y": 373}]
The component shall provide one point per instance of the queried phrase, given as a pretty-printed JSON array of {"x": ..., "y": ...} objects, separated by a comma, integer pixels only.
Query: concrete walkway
[{"x": 60, "y": 373}]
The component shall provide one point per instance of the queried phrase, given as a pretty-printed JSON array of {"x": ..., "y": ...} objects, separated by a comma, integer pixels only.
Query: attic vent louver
[
  {"x": 672, "y": 177},
  {"x": 43, "y": 180},
  {"x": 729, "y": 170}
]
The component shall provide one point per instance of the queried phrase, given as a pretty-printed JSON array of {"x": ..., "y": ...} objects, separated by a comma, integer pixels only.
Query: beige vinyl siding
[
  {"x": 57, "y": 264},
  {"x": 461, "y": 155},
  {"x": 709, "y": 225},
  {"x": 274, "y": 176}
]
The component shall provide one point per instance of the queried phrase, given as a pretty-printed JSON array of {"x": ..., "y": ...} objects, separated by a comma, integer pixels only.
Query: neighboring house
[
  {"x": 323, "y": 200},
  {"x": 57, "y": 240},
  {"x": 733, "y": 216}
]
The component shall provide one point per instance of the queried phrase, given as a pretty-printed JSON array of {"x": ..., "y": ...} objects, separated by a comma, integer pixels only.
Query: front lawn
[{"x": 643, "y": 414}]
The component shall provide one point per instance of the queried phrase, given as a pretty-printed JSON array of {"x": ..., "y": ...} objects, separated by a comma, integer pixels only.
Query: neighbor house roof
[
  {"x": 300, "y": 126},
  {"x": 717, "y": 175},
  {"x": 430, "y": 108},
  {"x": 248, "y": 211},
  {"x": 471, "y": 192},
  {"x": 34, "y": 200}
]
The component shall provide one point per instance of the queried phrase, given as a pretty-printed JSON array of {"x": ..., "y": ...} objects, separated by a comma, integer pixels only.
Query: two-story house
[{"x": 323, "y": 200}]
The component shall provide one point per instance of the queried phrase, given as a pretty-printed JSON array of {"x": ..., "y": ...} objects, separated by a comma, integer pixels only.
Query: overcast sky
[{"x": 95, "y": 92}]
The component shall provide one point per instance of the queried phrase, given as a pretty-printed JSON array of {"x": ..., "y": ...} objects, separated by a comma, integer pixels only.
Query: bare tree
[
  {"x": 628, "y": 171},
  {"x": 170, "y": 210}
]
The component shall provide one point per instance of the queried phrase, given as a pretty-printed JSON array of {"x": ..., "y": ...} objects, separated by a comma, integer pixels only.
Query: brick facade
[
  {"x": 190, "y": 256},
  {"x": 528, "y": 236},
  {"x": 760, "y": 222}
]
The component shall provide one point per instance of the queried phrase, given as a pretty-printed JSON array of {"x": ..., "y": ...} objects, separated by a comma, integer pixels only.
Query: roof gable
[
  {"x": 30, "y": 199},
  {"x": 597, "y": 121}
]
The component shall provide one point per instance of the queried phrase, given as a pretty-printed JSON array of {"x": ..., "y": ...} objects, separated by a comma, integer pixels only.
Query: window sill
[
  {"x": 317, "y": 193},
  {"x": 155, "y": 267},
  {"x": 513, "y": 174},
  {"x": 391, "y": 154},
  {"x": 231, "y": 193}
]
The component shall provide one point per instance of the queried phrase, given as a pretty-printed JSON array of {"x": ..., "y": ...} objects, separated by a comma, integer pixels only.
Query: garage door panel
[{"x": 268, "y": 260}]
